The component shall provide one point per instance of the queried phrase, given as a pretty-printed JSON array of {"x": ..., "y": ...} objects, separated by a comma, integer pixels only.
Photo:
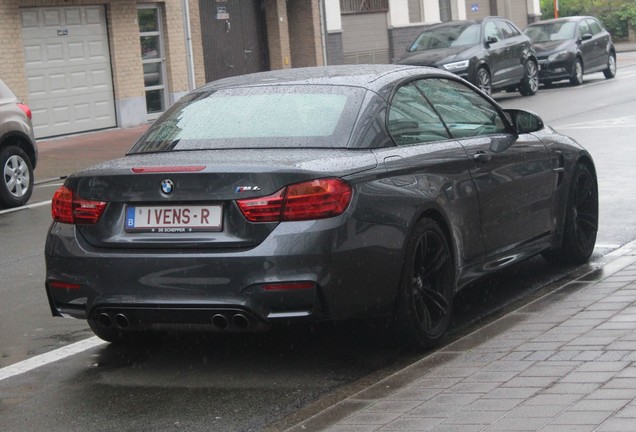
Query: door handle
[{"x": 481, "y": 157}]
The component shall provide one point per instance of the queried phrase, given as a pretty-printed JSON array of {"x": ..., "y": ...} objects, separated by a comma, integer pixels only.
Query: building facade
[
  {"x": 91, "y": 64},
  {"x": 84, "y": 65}
]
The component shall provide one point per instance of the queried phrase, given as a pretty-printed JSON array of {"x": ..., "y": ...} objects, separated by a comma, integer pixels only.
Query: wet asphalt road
[{"x": 203, "y": 383}]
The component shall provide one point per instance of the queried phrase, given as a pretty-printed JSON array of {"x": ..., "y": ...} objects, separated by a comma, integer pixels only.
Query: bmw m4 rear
[{"x": 315, "y": 194}]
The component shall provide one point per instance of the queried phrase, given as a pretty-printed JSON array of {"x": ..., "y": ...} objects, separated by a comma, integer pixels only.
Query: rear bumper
[{"x": 341, "y": 277}]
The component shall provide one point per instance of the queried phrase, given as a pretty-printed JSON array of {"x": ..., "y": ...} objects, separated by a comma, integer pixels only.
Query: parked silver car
[{"x": 18, "y": 150}]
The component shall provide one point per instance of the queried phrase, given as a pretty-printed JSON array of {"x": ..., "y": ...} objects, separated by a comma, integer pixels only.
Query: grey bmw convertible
[{"x": 316, "y": 194}]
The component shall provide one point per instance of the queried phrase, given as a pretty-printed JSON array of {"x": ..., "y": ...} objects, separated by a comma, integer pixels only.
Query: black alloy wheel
[
  {"x": 577, "y": 73},
  {"x": 428, "y": 283},
  {"x": 530, "y": 82},
  {"x": 581, "y": 220},
  {"x": 483, "y": 81}
]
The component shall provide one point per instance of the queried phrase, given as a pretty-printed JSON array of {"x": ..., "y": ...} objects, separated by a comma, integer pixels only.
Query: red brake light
[
  {"x": 66, "y": 207},
  {"x": 314, "y": 199},
  {"x": 26, "y": 110},
  {"x": 63, "y": 285}
]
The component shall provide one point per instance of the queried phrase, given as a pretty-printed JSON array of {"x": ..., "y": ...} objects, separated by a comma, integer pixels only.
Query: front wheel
[
  {"x": 427, "y": 287},
  {"x": 581, "y": 220},
  {"x": 530, "y": 82},
  {"x": 577, "y": 73},
  {"x": 610, "y": 72},
  {"x": 483, "y": 81}
]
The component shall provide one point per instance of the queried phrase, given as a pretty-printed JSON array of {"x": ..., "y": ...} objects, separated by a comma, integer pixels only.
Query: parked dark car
[
  {"x": 18, "y": 150},
  {"x": 491, "y": 53},
  {"x": 568, "y": 48},
  {"x": 315, "y": 194}
]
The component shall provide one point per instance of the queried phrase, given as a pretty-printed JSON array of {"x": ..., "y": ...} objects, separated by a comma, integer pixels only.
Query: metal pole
[
  {"x": 188, "y": 41},
  {"x": 556, "y": 8}
]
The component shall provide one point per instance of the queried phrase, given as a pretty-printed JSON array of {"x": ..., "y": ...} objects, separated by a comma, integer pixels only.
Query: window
[
  {"x": 362, "y": 6},
  {"x": 491, "y": 30},
  {"x": 584, "y": 29},
  {"x": 507, "y": 30},
  {"x": 595, "y": 27},
  {"x": 276, "y": 117},
  {"x": 465, "y": 112},
  {"x": 412, "y": 120}
]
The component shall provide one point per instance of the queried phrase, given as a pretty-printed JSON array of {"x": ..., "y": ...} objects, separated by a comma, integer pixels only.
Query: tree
[{"x": 617, "y": 15}]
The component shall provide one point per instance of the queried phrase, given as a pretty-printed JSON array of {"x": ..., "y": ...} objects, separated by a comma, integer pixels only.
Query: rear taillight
[
  {"x": 26, "y": 110},
  {"x": 66, "y": 207},
  {"x": 315, "y": 199}
]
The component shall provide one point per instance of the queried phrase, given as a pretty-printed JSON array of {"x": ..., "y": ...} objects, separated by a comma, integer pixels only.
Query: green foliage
[{"x": 616, "y": 15}]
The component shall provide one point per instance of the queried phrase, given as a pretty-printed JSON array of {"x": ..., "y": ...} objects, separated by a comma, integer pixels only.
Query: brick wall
[
  {"x": 304, "y": 28},
  {"x": 12, "y": 64},
  {"x": 277, "y": 34}
]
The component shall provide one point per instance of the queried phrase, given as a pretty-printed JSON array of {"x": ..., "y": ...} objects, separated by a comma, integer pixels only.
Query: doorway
[{"x": 152, "y": 58}]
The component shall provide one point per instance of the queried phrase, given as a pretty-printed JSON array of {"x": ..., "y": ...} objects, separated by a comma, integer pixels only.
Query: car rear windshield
[{"x": 256, "y": 117}]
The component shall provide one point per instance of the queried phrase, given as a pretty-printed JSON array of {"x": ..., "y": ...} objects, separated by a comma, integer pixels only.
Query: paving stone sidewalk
[{"x": 565, "y": 362}]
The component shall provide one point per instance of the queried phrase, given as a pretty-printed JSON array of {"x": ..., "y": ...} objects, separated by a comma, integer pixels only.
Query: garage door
[
  {"x": 365, "y": 38},
  {"x": 68, "y": 69}
]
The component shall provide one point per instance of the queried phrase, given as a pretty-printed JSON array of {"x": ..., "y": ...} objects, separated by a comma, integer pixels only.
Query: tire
[
  {"x": 424, "y": 303},
  {"x": 581, "y": 220},
  {"x": 484, "y": 82},
  {"x": 530, "y": 83},
  {"x": 610, "y": 72},
  {"x": 16, "y": 183},
  {"x": 577, "y": 73}
]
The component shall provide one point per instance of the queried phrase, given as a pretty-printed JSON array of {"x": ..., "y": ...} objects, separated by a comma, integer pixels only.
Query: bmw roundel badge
[{"x": 167, "y": 186}]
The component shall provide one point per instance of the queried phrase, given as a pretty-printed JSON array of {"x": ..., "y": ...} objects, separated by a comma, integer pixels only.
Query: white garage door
[
  {"x": 68, "y": 69},
  {"x": 365, "y": 38}
]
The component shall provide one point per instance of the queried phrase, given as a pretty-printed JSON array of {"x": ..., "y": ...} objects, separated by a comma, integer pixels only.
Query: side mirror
[
  {"x": 586, "y": 36},
  {"x": 524, "y": 121},
  {"x": 491, "y": 40}
]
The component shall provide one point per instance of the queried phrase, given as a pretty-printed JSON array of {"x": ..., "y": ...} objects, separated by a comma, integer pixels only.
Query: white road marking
[
  {"x": 26, "y": 207},
  {"x": 49, "y": 357}
]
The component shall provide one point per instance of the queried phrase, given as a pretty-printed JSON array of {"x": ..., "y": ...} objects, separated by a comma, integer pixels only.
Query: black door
[{"x": 234, "y": 37}]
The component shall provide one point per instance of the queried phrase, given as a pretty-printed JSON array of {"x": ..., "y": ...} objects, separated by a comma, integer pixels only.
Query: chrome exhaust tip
[
  {"x": 220, "y": 322},
  {"x": 240, "y": 321},
  {"x": 121, "y": 321},
  {"x": 105, "y": 320}
]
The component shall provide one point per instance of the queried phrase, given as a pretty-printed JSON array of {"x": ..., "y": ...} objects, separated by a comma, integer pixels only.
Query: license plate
[{"x": 174, "y": 219}]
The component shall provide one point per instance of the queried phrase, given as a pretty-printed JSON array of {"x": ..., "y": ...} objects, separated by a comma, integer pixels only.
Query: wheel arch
[{"x": 21, "y": 141}]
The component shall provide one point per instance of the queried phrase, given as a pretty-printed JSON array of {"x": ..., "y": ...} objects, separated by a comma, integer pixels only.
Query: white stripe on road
[
  {"x": 26, "y": 207},
  {"x": 49, "y": 357}
]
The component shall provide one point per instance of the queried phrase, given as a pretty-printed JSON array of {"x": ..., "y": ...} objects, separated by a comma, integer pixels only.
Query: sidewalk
[
  {"x": 565, "y": 362},
  {"x": 62, "y": 156}
]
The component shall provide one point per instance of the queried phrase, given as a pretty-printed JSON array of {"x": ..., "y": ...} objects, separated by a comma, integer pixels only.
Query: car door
[
  {"x": 430, "y": 170},
  {"x": 586, "y": 45},
  {"x": 515, "y": 46},
  {"x": 498, "y": 57},
  {"x": 600, "y": 40},
  {"x": 512, "y": 173}
]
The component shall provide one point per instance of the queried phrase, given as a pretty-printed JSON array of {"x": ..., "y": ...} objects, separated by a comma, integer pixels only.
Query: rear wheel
[
  {"x": 424, "y": 303},
  {"x": 530, "y": 82},
  {"x": 577, "y": 73},
  {"x": 483, "y": 80},
  {"x": 16, "y": 183},
  {"x": 581, "y": 220},
  {"x": 610, "y": 72}
]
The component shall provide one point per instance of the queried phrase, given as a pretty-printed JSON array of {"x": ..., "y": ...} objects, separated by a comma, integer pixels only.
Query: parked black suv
[
  {"x": 491, "y": 53},
  {"x": 18, "y": 150}
]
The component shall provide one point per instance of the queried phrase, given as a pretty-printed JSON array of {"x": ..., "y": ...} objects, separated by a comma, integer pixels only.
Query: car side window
[
  {"x": 595, "y": 28},
  {"x": 465, "y": 112},
  {"x": 507, "y": 30},
  {"x": 491, "y": 30},
  {"x": 584, "y": 29},
  {"x": 412, "y": 120}
]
